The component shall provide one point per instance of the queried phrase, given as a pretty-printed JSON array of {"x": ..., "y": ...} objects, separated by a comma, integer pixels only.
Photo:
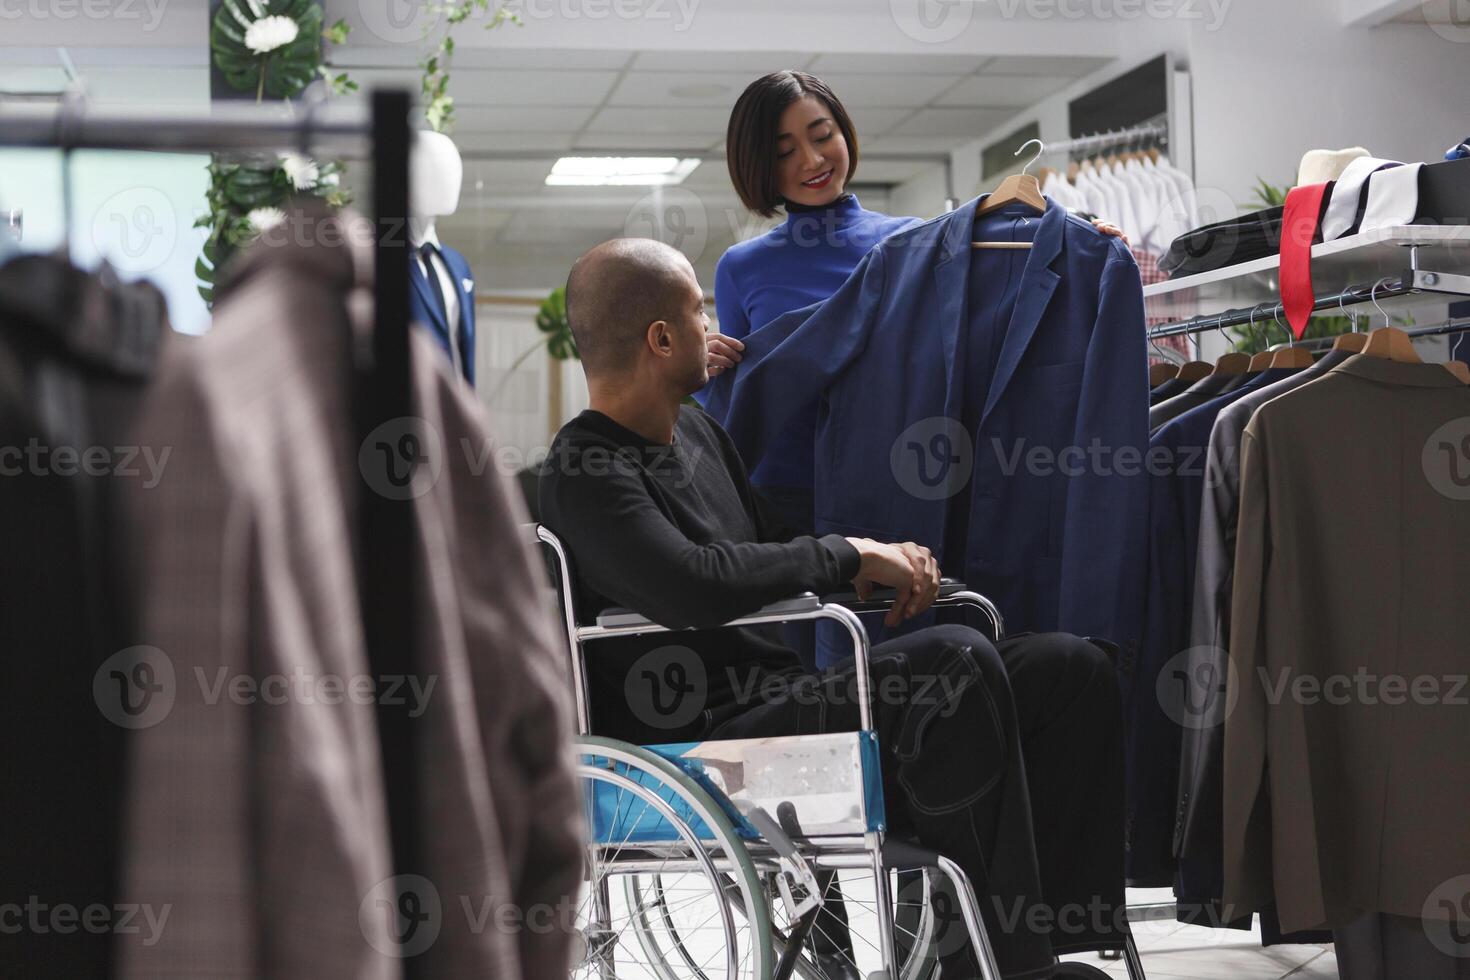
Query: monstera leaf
[
  {"x": 281, "y": 72},
  {"x": 551, "y": 320}
]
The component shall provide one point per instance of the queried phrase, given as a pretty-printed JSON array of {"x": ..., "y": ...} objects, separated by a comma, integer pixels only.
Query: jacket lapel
[
  {"x": 426, "y": 296},
  {"x": 1038, "y": 283},
  {"x": 952, "y": 286}
]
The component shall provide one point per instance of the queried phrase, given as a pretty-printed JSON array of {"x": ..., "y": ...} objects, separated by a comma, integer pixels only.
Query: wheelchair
[{"x": 714, "y": 859}]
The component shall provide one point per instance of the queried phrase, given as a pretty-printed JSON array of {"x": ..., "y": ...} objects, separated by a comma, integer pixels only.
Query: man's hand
[
  {"x": 722, "y": 353},
  {"x": 909, "y": 568}
]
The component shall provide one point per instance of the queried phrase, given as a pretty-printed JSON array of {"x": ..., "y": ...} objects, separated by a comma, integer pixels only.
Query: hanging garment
[
  {"x": 1387, "y": 947},
  {"x": 1198, "y": 839},
  {"x": 76, "y": 351},
  {"x": 450, "y": 289},
  {"x": 1350, "y": 563},
  {"x": 1197, "y": 394},
  {"x": 1176, "y": 479},
  {"x": 259, "y": 819},
  {"x": 1070, "y": 373}
]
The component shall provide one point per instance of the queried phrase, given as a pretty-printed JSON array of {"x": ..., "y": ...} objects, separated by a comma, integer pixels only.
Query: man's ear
[{"x": 660, "y": 338}]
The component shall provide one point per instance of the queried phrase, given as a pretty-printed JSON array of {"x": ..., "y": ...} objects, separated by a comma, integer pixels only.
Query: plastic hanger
[{"x": 1021, "y": 188}]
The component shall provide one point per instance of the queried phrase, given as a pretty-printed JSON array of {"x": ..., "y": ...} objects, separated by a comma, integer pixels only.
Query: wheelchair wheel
[
  {"x": 669, "y": 891},
  {"x": 917, "y": 928}
]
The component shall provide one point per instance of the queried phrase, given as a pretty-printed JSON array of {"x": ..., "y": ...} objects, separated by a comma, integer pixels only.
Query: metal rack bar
[
  {"x": 73, "y": 125},
  {"x": 1157, "y": 131}
]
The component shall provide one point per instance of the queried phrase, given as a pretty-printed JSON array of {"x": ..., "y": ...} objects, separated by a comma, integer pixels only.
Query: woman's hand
[
  {"x": 722, "y": 353},
  {"x": 1108, "y": 228}
]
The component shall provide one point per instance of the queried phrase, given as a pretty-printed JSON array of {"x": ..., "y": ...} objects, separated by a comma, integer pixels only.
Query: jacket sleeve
[
  {"x": 730, "y": 311},
  {"x": 790, "y": 362},
  {"x": 1247, "y": 815},
  {"x": 1197, "y": 830},
  {"x": 1107, "y": 506},
  {"x": 630, "y": 552}
]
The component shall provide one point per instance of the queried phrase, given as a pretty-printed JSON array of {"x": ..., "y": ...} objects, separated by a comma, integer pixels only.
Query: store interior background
[{"x": 1266, "y": 81}]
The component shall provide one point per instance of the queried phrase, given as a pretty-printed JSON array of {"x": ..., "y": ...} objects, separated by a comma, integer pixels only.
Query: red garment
[{"x": 1149, "y": 271}]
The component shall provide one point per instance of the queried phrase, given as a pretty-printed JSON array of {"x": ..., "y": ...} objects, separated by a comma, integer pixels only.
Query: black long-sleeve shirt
[{"x": 677, "y": 534}]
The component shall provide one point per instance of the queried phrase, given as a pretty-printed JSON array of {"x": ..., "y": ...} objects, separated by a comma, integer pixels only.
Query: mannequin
[{"x": 443, "y": 297}]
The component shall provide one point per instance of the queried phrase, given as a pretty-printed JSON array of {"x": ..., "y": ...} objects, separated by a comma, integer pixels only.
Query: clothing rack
[
  {"x": 1156, "y": 131},
  {"x": 1412, "y": 282},
  {"x": 381, "y": 390}
]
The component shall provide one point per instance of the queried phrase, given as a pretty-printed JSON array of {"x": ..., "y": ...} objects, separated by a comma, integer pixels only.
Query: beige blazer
[
  {"x": 1342, "y": 795},
  {"x": 256, "y": 811}
]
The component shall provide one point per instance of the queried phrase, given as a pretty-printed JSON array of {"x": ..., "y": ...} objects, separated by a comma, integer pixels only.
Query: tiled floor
[{"x": 1173, "y": 951}]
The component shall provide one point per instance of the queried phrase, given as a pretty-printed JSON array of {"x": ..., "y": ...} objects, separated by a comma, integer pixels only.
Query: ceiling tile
[
  {"x": 470, "y": 54},
  {"x": 680, "y": 88},
  {"x": 1003, "y": 90},
  {"x": 479, "y": 86},
  {"x": 916, "y": 146},
  {"x": 888, "y": 90},
  {"x": 640, "y": 144},
  {"x": 897, "y": 64},
  {"x": 1073, "y": 67},
  {"x": 697, "y": 126},
  {"x": 482, "y": 141},
  {"x": 875, "y": 122},
  {"x": 957, "y": 124},
  {"x": 751, "y": 64},
  {"x": 524, "y": 119}
]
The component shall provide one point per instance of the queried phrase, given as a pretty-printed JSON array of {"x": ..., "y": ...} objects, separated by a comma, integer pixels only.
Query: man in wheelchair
[{"x": 1006, "y": 758}]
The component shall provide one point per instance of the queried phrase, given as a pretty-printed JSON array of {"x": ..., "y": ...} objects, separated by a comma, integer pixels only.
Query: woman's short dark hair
[{"x": 750, "y": 140}]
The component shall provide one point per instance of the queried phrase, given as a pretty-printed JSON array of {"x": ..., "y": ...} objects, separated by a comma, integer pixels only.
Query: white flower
[
  {"x": 302, "y": 172},
  {"x": 264, "y": 219},
  {"x": 270, "y": 33}
]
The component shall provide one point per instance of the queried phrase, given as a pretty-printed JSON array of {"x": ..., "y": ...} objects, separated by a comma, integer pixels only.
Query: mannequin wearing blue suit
[{"x": 426, "y": 306}]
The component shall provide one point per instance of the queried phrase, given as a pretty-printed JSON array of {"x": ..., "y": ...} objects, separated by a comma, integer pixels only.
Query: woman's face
[{"x": 811, "y": 154}]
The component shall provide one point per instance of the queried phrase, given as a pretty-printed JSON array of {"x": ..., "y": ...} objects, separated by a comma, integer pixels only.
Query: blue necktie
[{"x": 428, "y": 251}]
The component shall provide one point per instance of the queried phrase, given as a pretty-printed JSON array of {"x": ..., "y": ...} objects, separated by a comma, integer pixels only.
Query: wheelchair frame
[{"x": 833, "y": 853}]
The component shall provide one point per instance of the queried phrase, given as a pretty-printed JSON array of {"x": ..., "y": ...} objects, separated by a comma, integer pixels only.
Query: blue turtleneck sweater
[{"x": 799, "y": 262}]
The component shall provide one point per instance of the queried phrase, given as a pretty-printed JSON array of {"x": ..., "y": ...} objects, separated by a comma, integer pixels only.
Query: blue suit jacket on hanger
[
  {"x": 424, "y": 308},
  {"x": 1055, "y": 551}
]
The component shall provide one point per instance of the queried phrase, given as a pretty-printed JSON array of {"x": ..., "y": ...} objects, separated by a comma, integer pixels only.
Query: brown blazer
[
  {"x": 1353, "y": 555},
  {"x": 261, "y": 823}
]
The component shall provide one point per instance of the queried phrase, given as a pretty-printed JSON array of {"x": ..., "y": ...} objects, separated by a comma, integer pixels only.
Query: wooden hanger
[
  {"x": 1391, "y": 344},
  {"x": 1232, "y": 364},
  {"x": 1021, "y": 188},
  {"x": 1292, "y": 358},
  {"x": 1353, "y": 343},
  {"x": 1460, "y": 370},
  {"x": 1159, "y": 373},
  {"x": 1195, "y": 370},
  {"x": 1259, "y": 362}
]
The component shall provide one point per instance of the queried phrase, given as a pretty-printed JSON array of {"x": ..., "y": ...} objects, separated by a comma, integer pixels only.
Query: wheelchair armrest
[
  {"x": 804, "y": 605},
  {"x": 881, "y": 599}
]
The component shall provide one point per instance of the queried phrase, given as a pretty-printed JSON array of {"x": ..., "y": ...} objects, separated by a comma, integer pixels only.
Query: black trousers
[{"x": 1007, "y": 760}]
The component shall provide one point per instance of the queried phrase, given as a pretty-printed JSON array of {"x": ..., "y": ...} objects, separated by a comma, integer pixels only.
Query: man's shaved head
[{"x": 615, "y": 291}]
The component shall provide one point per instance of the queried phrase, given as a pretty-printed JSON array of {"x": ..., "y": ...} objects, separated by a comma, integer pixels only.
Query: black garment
[
  {"x": 677, "y": 534},
  {"x": 1166, "y": 390},
  {"x": 76, "y": 351},
  {"x": 1197, "y": 394}
]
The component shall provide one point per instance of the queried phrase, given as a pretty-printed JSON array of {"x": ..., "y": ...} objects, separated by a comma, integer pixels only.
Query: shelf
[{"x": 1336, "y": 266}]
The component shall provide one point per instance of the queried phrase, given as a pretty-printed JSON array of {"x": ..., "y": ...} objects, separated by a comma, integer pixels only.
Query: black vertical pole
[{"x": 386, "y": 544}]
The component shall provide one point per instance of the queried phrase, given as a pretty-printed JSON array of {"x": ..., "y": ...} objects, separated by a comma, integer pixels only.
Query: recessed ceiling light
[
  {"x": 699, "y": 90},
  {"x": 605, "y": 171}
]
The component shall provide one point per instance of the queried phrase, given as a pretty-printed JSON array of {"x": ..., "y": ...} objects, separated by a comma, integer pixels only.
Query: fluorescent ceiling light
[{"x": 605, "y": 171}]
